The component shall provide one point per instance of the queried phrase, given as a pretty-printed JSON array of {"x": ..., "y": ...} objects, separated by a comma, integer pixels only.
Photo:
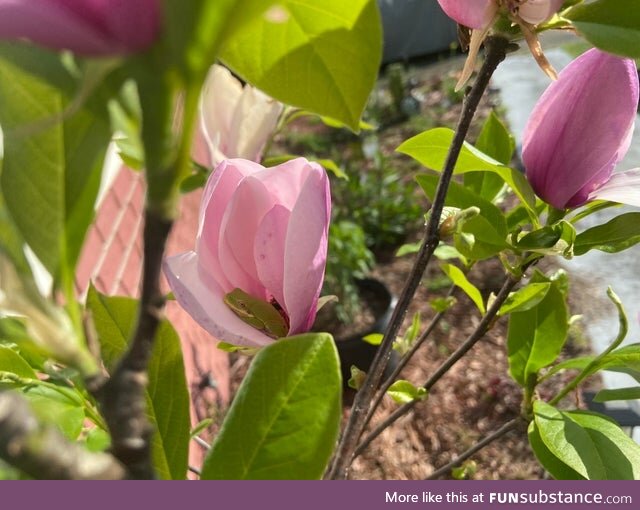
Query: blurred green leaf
[
  {"x": 631, "y": 393},
  {"x": 11, "y": 361},
  {"x": 57, "y": 407},
  {"x": 320, "y": 57},
  {"x": 611, "y": 25},
  {"x": 284, "y": 420},
  {"x": 591, "y": 444},
  {"x": 403, "y": 392},
  {"x": 616, "y": 235},
  {"x": 52, "y": 158},
  {"x": 373, "y": 338},
  {"x": 168, "y": 398}
]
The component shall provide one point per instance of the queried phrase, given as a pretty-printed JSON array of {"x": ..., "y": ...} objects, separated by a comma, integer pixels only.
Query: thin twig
[
  {"x": 406, "y": 358},
  {"x": 202, "y": 442},
  {"x": 507, "y": 427},
  {"x": 455, "y": 356},
  {"x": 122, "y": 398},
  {"x": 496, "y": 48},
  {"x": 42, "y": 452}
]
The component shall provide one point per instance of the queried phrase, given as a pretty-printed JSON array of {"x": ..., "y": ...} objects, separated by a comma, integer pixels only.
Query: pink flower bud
[
  {"x": 264, "y": 231},
  {"x": 580, "y": 129},
  {"x": 538, "y": 11},
  {"x": 475, "y": 14},
  {"x": 87, "y": 27}
]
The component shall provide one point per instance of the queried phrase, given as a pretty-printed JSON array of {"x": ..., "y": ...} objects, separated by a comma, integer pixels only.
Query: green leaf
[
  {"x": 555, "y": 239},
  {"x": 168, "y": 398},
  {"x": 98, "y": 440},
  {"x": 591, "y": 444},
  {"x": 631, "y": 393},
  {"x": 460, "y": 280},
  {"x": 611, "y": 25},
  {"x": 52, "y": 167},
  {"x": 616, "y": 235},
  {"x": 536, "y": 336},
  {"x": 556, "y": 468},
  {"x": 442, "y": 304},
  {"x": 496, "y": 142},
  {"x": 625, "y": 359},
  {"x": 373, "y": 338},
  {"x": 57, "y": 407},
  {"x": 431, "y": 148},
  {"x": 283, "y": 422},
  {"x": 525, "y": 298},
  {"x": 322, "y": 57},
  {"x": 11, "y": 361},
  {"x": 403, "y": 392}
]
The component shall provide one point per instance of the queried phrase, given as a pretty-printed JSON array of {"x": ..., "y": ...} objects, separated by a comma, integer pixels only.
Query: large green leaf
[
  {"x": 607, "y": 395},
  {"x": 536, "y": 336},
  {"x": 283, "y": 422},
  {"x": 59, "y": 407},
  {"x": 611, "y": 25},
  {"x": 525, "y": 298},
  {"x": 321, "y": 56},
  {"x": 168, "y": 398},
  {"x": 556, "y": 468},
  {"x": 591, "y": 444},
  {"x": 431, "y": 148},
  {"x": 51, "y": 171},
  {"x": 616, "y": 235}
]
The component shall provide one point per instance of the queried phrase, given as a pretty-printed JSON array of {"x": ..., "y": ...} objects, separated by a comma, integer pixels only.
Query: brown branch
[
  {"x": 507, "y": 427},
  {"x": 122, "y": 398},
  {"x": 455, "y": 356},
  {"x": 406, "y": 358},
  {"x": 496, "y": 48},
  {"x": 42, "y": 452}
]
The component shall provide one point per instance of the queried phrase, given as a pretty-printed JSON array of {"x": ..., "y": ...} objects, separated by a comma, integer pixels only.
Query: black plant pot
[{"x": 353, "y": 350}]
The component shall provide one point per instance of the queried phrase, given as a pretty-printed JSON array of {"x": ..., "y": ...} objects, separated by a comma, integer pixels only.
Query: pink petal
[
  {"x": 215, "y": 199},
  {"x": 470, "y": 13},
  {"x": 539, "y": 11},
  {"x": 202, "y": 299},
  {"x": 249, "y": 204},
  {"x": 269, "y": 248},
  {"x": 623, "y": 187},
  {"x": 579, "y": 128},
  {"x": 88, "y": 27},
  {"x": 306, "y": 251}
]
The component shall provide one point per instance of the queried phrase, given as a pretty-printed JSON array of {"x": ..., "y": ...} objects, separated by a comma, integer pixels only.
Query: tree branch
[
  {"x": 507, "y": 427},
  {"x": 43, "y": 452},
  {"x": 496, "y": 48},
  {"x": 122, "y": 398},
  {"x": 455, "y": 356}
]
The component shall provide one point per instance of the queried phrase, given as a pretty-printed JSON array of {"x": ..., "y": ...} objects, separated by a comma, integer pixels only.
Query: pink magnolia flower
[
  {"x": 236, "y": 121},
  {"x": 264, "y": 231},
  {"x": 480, "y": 15},
  {"x": 87, "y": 27},
  {"x": 580, "y": 129}
]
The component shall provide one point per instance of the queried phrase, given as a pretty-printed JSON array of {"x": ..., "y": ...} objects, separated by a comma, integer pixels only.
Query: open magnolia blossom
[
  {"x": 580, "y": 129},
  {"x": 480, "y": 15},
  {"x": 86, "y": 27},
  {"x": 262, "y": 244},
  {"x": 236, "y": 121}
]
